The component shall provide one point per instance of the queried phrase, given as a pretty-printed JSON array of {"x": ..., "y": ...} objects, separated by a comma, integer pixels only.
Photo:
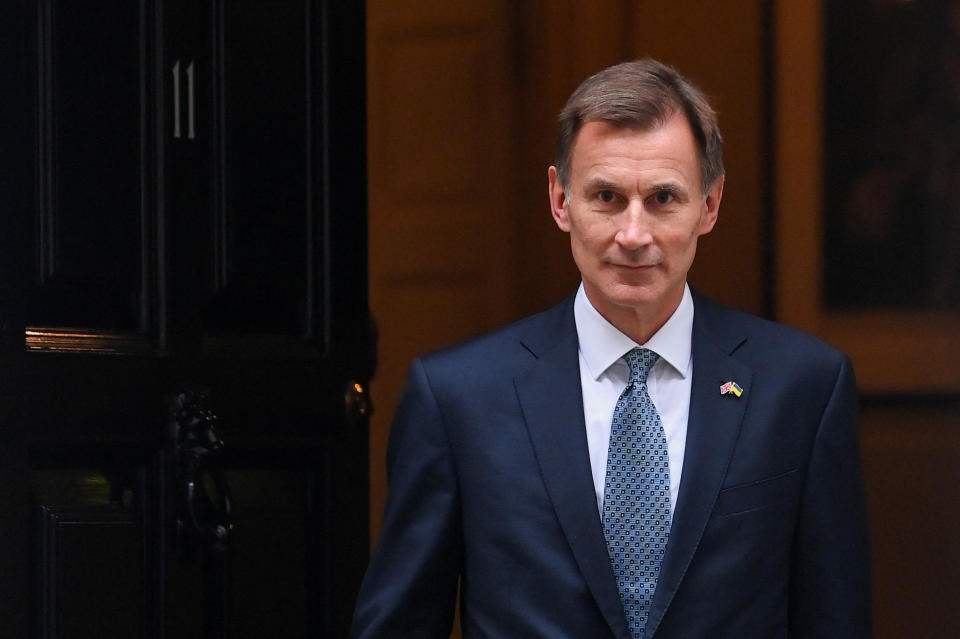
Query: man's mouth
[{"x": 635, "y": 267}]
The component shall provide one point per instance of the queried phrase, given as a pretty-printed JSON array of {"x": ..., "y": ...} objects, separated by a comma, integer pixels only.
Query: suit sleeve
[
  {"x": 411, "y": 583},
  {"x": 830, "y": 585}
]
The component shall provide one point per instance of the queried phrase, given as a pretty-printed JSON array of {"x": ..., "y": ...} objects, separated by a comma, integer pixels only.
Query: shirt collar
[{"x": 602, "y": 343}]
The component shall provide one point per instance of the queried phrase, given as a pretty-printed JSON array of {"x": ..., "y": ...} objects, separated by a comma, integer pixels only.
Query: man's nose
[{"x": 634, "y": 231}]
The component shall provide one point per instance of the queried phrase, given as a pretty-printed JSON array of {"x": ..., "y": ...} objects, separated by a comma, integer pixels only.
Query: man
[{"x": 636, "y": 462}]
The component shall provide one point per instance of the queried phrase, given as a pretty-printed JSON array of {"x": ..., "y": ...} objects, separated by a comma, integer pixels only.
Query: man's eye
[
  {"x": 606, "y": 196},
  {"x": 663, "y": 197}
]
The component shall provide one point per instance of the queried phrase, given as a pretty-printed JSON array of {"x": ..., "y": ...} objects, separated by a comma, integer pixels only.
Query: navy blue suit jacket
[{"x": 490, "y": 489}]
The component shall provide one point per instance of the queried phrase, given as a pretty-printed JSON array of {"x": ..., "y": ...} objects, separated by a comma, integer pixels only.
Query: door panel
[
  {"x": 85, "y": 532},
  {"x": 86, "y": 246},
  {"x": 263, "y": 234},
  {"x": 272, "y": 551}
]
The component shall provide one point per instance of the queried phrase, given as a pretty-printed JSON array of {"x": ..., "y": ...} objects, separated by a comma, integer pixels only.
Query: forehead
[{"x": 669, "y": 148}]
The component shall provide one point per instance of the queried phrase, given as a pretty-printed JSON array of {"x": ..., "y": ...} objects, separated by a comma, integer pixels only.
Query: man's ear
[
  {"x": 712, "y": 206},
  {"x": 558, "y": 200}
]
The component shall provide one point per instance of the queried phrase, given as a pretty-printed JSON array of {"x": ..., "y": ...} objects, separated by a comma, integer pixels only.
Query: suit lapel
[
  {"x": 713, "y": 427},
  {"x": 552, "y": 404}
]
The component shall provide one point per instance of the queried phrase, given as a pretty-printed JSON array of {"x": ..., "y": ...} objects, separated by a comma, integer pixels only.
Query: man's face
[{"x": 634, "y": 210}]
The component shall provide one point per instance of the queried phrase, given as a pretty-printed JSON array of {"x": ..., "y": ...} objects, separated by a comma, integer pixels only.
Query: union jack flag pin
[{"x": 731, "y": 387}]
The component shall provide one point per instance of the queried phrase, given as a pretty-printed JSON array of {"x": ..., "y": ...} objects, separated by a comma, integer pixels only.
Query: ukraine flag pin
[{"x": 731, "y": 387}]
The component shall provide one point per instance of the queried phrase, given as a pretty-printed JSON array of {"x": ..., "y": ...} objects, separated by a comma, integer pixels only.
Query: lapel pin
[{"x": 731, "y": 387}]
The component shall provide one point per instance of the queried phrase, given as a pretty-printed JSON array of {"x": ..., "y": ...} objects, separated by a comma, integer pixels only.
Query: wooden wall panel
[
  {"x": 426, "y": 154},
  {"x": 911, "y": 454},
  {"x": 442, "y": 94}
]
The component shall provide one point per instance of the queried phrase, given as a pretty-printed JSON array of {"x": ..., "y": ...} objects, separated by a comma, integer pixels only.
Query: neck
[{"x": 638, "y": 322}]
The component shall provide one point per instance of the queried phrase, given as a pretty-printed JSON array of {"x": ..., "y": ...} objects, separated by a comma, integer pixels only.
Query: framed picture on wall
[{"x": 867, "y": 132}]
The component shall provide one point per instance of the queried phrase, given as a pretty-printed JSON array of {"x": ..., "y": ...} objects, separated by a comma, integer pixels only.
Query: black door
[{"x": 183, "y": 318}]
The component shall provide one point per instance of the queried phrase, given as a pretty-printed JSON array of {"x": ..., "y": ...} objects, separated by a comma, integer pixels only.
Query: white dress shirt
[{"x": 604, "y": 374}]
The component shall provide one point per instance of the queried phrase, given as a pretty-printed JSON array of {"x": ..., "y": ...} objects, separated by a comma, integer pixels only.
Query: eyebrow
[
  {"x": 600, "y": 184},
  {"x": 672, "y": 189}
]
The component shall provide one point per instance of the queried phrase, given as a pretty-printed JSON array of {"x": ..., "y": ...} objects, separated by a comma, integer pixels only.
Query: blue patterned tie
[{"x": 636, "y": 494}]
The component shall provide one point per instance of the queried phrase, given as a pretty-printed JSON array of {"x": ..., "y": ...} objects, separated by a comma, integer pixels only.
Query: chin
[{"x": 633, "y": 295}]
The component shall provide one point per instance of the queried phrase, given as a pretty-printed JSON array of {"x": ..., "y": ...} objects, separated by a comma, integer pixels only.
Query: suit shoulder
[
  {"x": 507, "y": 349},
  {"x": 750, "y": 335}
]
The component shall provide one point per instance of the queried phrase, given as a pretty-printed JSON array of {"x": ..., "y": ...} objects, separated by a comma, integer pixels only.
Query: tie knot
[{"x": 640, "y": 360}]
